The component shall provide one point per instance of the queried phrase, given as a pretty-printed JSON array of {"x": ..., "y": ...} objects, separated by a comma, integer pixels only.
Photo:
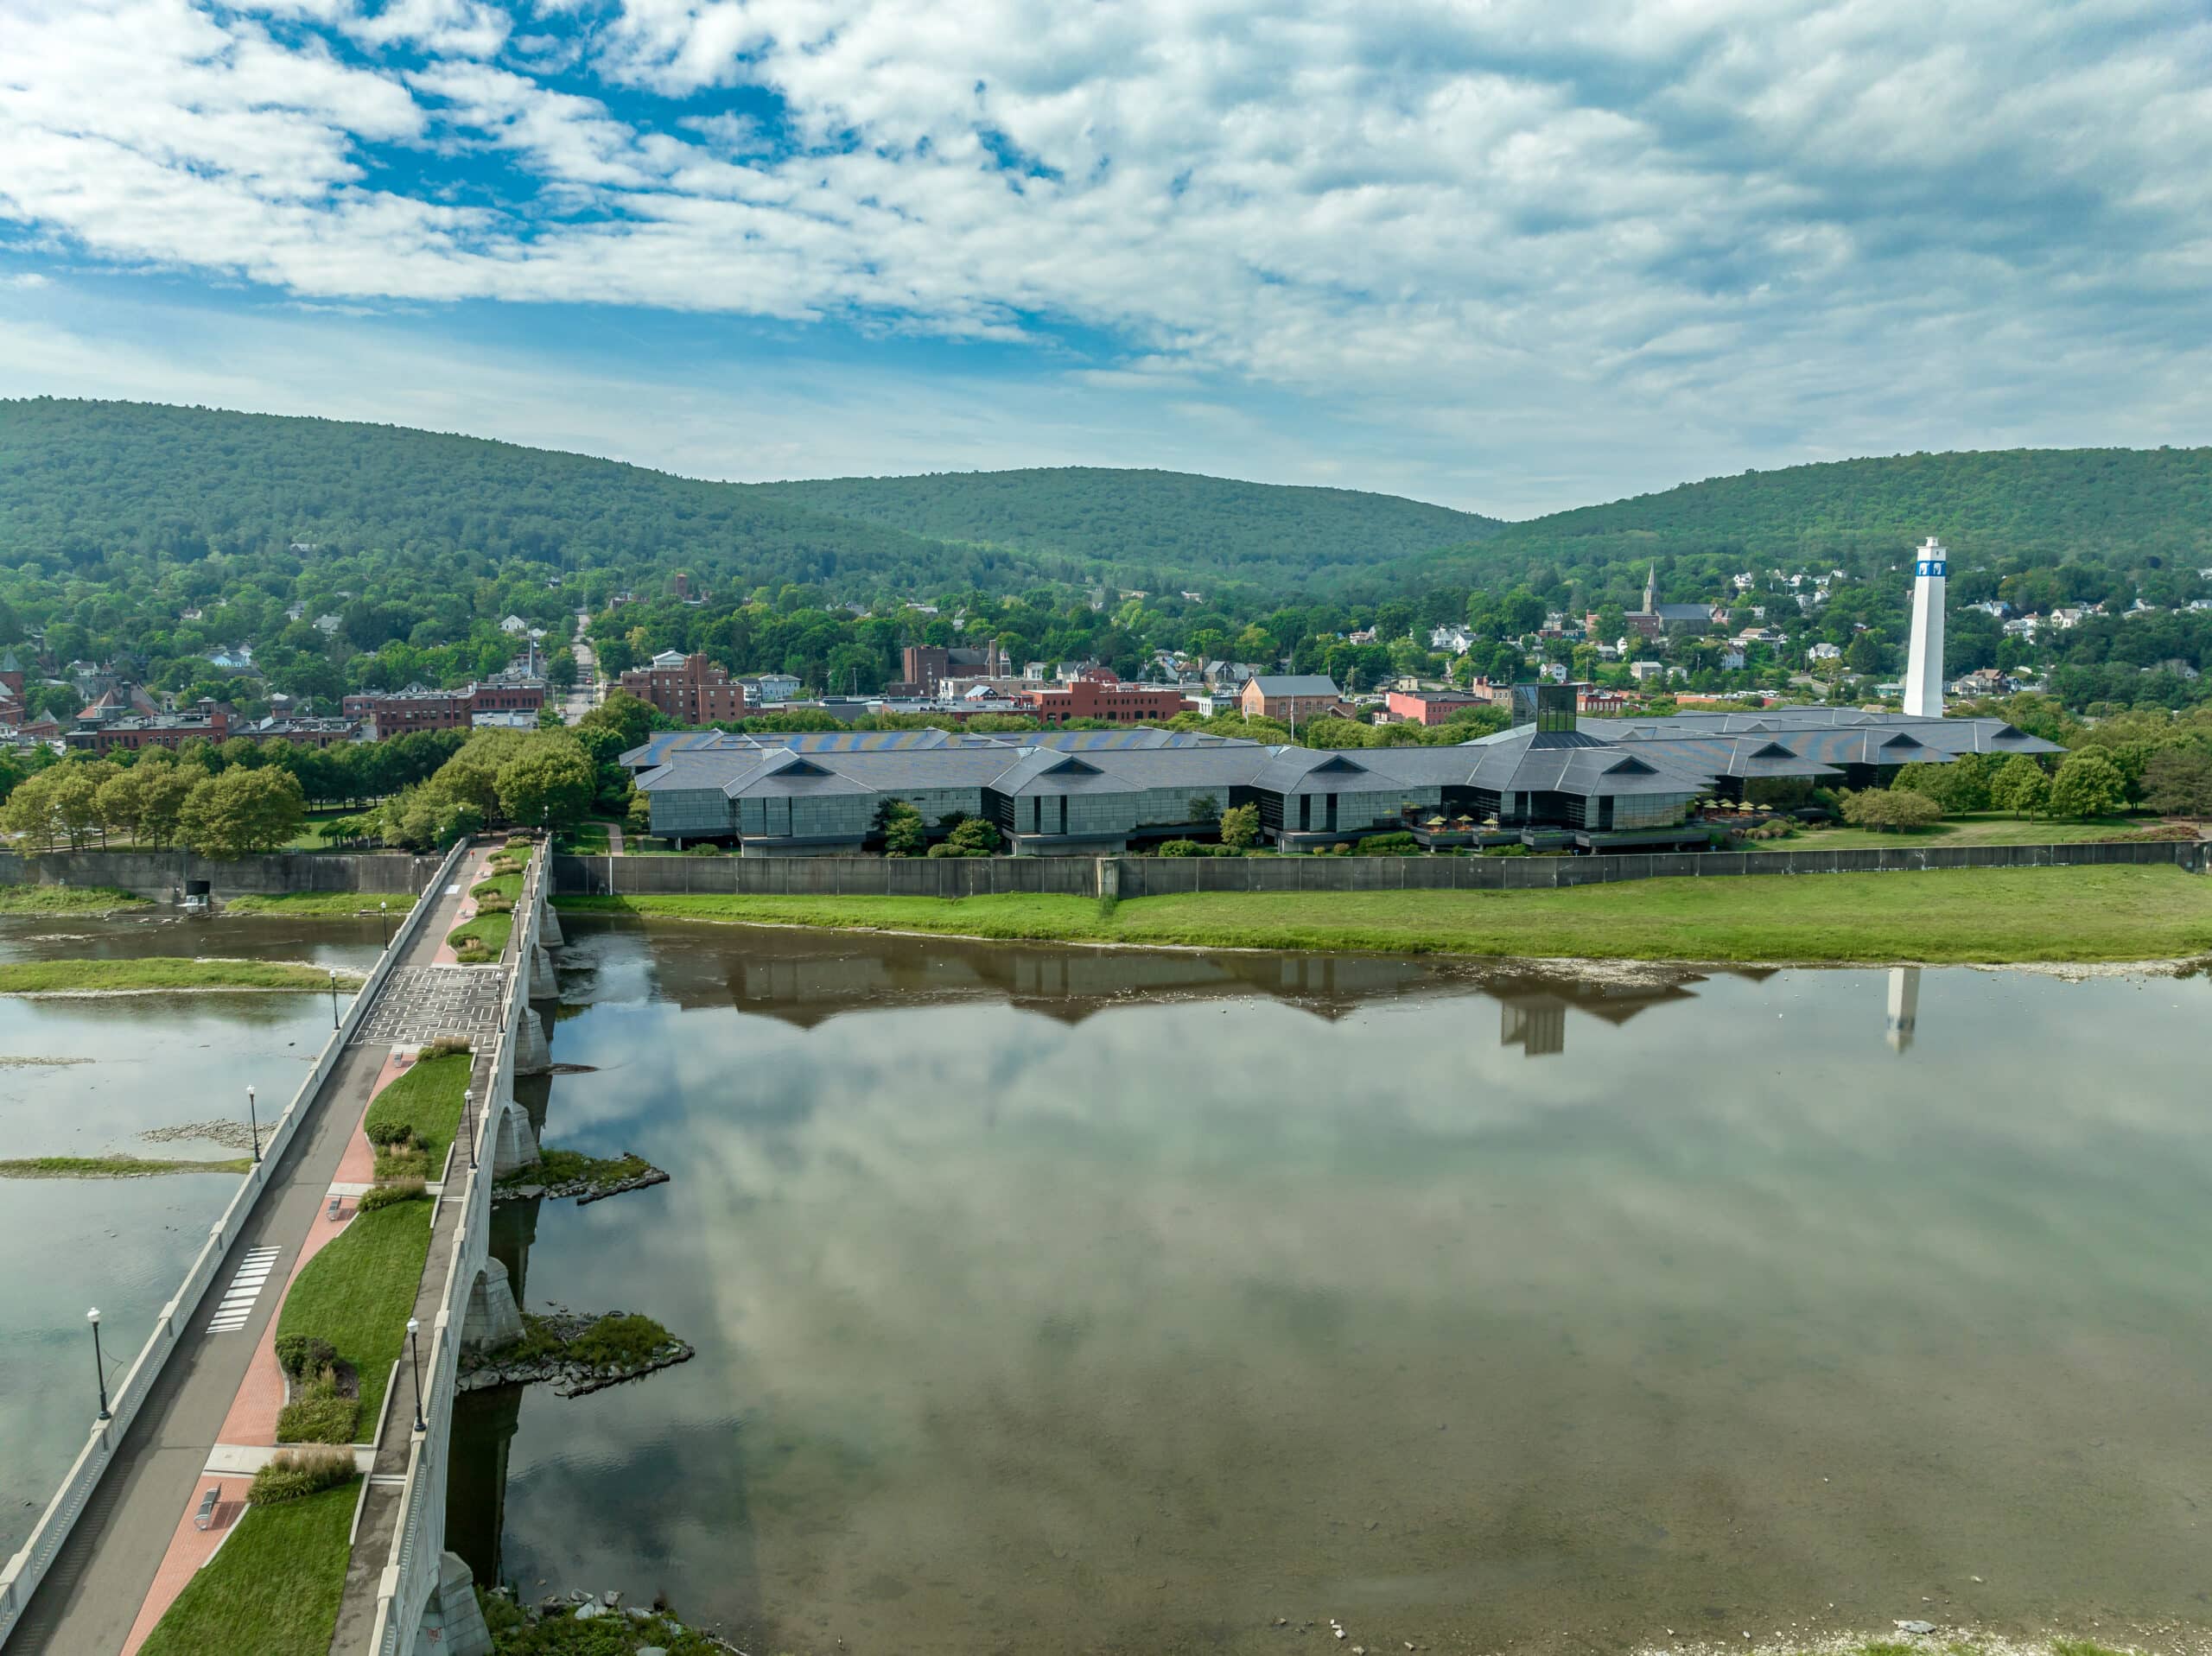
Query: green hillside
[
  {"x": 1153, "y": 528},
  {"x": 2044, "y": 503},
  {"x": 81, "y": 483}
]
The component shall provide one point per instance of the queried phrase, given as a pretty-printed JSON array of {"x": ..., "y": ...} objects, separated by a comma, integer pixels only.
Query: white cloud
[{"x": 1735, "y": 231}]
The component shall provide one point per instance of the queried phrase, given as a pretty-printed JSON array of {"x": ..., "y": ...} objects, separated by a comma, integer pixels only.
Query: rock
[
  {"x": 1916, "y": 1627},
  {"x": 587, "y": 1611},
  {"x": 610, "y": 1597}
]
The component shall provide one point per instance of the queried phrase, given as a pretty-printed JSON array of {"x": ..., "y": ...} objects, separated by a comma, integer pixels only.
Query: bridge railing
[
  {"x": 415, "y": 1540},
  {"x": 29, "y": 1567}
]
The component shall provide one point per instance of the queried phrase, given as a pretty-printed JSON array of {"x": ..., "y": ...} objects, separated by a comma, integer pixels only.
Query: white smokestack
[{"x": 1923, "y": 677}]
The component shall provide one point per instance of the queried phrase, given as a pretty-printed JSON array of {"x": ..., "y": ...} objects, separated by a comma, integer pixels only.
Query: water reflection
[{"x": 1038, "y": 1311}]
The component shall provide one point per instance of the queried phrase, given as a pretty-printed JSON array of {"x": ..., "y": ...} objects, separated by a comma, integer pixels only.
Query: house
[
  {"x": 773, "y": 686},
  {"x": 1825, "y": 651},
  {"x": 327, "y": 624},
  {"x": 1288, "y": 696},
  {"x": 1732, "y": 661},
  {"x": 514, "y": 626},
  {"x": 1457, "y": 639},
  {"x": 1645, "y": 671}
]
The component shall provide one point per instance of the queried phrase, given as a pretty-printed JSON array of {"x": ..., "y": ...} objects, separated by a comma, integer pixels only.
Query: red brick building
[
  {"x": 690, "y": 689},
  {"x": 1432, "y": 706},
  {"x": 1101, "y": 695},
  {"x": 401, "y": 713}
]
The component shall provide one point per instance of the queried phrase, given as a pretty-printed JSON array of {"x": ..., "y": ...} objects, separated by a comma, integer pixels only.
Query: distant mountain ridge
[
  {"x": 83, "y": 482},
  {"x": 1169, "y": 524}
]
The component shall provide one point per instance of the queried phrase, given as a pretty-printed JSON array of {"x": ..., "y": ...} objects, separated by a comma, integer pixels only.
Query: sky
[{"x": 1510, "y": 256}]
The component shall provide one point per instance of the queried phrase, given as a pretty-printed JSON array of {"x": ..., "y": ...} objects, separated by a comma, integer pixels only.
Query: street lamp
[
  {"x": 383, "y": 921},
  {"x": 415, "y": 1361},
  {"x": 333, "y": 997},
  {"x": 99, "y": 1368},
  {"x": 253, "y": 1123},
  {"x": 468, "y": 1121}
]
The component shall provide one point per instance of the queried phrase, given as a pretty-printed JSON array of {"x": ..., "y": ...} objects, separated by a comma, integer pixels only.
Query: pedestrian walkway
[{"x": 137, "y": 1542}]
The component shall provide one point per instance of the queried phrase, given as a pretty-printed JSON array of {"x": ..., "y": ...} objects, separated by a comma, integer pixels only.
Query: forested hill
[
  {"x": 92, "y": 484},
  {"x": 1154, "y": 529},
  {"x": 2135, "y": 506},
  {"x": 102, "y": 486}
]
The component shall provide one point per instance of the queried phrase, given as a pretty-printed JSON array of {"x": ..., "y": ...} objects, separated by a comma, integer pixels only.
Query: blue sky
[{"x": 1504, "y": 254}]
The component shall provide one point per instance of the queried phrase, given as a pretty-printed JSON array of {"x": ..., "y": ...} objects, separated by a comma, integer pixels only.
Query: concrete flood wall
[
  {"x": 1133, "y": 877},
  {"x": 162, "y": 873},
  {"x": 28, "y": 1568}
]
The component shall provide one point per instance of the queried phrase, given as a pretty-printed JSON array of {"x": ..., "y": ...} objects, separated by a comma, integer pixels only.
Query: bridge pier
[
  {"x": 532, "y": 1056},
  {"x": 513, "y": 1144},
  {"x": 549, "y": 928},
  {"x": 543, "y": 986},
  {"x": 451, "y": 1621},
  {"x": 492, "y": 1319}
]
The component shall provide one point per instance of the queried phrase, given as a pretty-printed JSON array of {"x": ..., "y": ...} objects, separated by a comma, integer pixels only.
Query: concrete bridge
[{"x": 76, "y": 1587}]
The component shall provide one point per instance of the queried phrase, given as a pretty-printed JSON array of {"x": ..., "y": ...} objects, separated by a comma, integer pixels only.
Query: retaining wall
[
  {"x": 162, "y": 873},
  {"x": 1161, "y": 876},
  {"x": 19, "y": 1579}
]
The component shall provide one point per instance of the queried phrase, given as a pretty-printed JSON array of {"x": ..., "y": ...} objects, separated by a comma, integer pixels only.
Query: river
[{"x": 1064, "y": 1300}]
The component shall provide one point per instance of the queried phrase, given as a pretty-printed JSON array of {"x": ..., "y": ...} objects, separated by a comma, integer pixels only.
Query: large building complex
[
  {"x": 1552, "y": 781},
  {"x": 1101, "y": 696},
  {"x": 399, "y": 712}
]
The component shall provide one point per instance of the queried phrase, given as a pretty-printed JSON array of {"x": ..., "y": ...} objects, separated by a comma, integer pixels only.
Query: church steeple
[{"x": 1651, "y": 591}]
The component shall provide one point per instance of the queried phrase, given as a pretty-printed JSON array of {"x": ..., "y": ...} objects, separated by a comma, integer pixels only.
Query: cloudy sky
[{"x": 1508, "y": 254}]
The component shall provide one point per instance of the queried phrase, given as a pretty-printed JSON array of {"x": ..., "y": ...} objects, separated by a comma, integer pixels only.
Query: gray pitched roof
[{"x": 1297, "y": 684}]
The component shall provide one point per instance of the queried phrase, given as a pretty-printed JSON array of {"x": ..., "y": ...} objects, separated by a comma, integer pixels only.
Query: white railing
[
  {"x": 28, "y": 1568},
  {"x": 410, "y": 1570}
]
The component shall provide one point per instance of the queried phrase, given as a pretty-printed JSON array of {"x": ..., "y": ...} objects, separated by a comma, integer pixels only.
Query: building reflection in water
[{"x": 806, "y": 978}]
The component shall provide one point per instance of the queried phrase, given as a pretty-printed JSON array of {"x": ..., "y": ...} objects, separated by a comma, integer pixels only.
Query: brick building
[
  {"x": 926, "y": 665},
  {"x": 690, "y": 689},
  {"x": 1291, "y": 695},
  {"x": 1101, "y": 695},
  {"x": 401, "y": 713},
  {"x": 1432, "y": 706}
]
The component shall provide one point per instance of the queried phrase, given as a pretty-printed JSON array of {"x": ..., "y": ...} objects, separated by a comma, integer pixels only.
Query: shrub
[
  {"x": 618, "y": 1341},
  {"x": 704, "y": 850},
  {"x": 1240, "y": 828},
  {"x": 386, "y": 1194},
  {"x": 1887, "y": 809},
  {"x": 304, "y": 1353},
  {"x": 974, "y": 838},
  {"x": 496, "y": 904},
  {"x": 447, "y": 1046},
  {"x": 1389, "y": 845},
  {"x": 295, "y": 1474},
  {"x": 382, "y": 1130},
  {"x": 317, "y": 1414},
  {"x": 404, "y": 1161},
  {"x": 472, "y": 954},
  {"x": 521, "y": 842},
  {"x": 1178, "y": 848}
]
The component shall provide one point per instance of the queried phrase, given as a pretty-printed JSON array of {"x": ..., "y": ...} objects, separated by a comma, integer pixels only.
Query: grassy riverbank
[
  {"x": 1961, "y": 915},
  {"x": 58, "y": 977},
  {"x": 69, "y": 899},
  {"x": 339, "y": 903},
  {"x": 274, "y": 1587},
  {"x": 113, "y": 1167}
]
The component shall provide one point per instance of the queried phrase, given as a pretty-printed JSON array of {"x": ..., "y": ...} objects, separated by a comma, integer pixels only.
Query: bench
[
  {"x": 205, "y": 1514},
  {"x": 336, "y": 1203}
]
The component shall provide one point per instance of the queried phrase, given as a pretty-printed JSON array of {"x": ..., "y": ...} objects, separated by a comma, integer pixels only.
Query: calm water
[
  {"x": 1062, "y": 1300},
  {"x": 139, "y": 1062}
]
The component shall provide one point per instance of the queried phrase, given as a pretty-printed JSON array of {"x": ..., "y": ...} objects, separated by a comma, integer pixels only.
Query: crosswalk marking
[{"x": 237, "y": 1304}]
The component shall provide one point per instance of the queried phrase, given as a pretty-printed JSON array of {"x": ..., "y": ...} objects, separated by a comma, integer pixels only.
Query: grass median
[
  {"x": 1983, "y": 915},
  {"x": 274, "y": 1587},
  {"x": 358, "y": 1291},
  {"x": 418, "y": 1114},
  {"x": 348, "y": 904},
  {"x": 165, "y": 972}
]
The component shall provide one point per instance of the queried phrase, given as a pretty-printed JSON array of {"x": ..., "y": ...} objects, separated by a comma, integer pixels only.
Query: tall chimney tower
[{"x": 1923, "y": 677}]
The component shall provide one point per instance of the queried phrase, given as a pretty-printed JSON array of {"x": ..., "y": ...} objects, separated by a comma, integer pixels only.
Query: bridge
[{"x": 89, "y": 1580}]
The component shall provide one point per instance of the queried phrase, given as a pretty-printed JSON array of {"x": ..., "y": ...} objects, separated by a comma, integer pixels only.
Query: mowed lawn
[
  {"x": 359, "y": 1293},
  {"x": 274, "y": 1587},
  {"x": 1965, "y": 915},
  {"x": 1975, "y": 827}
]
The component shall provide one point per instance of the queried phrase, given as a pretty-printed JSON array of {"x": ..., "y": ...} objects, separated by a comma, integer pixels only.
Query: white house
[
  {"x": 515, "y": 624},
  {"x": 1645, "y": 671},
  {"x": 1456, "y": 639},
  {"x": 1825, "y": 651}
]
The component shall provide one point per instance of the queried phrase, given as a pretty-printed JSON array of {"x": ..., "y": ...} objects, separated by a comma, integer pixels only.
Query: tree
[
  {"x": 163, "y": 789},
  {"x": 974, "y": 838},
  {"x": 121, "y": 801},
  {"x": 2087, "y": 784},
  {"x": 1240, "y": 826},
  {"x": 2021, "y": 786},
  {"x": 633, "y": 717},
  {"x": 1887, "y": 809},
  {"x": 548, "y": 785},
  {"x": 2178, "y": 780},
  {"x": 241, "y": 812},
  {"x": 900, "y": 825}
]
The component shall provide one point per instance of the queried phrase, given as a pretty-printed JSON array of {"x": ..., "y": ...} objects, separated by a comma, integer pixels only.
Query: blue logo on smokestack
[{"x": 1929, "y": 567}]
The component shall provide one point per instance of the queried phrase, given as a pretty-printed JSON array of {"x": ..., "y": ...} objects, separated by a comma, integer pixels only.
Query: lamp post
[
  {"x": 468, "y": 1121},
  {"x": 333, "y": 997},
  {"x": 383, "y": 921},
  {"x": 253, "y": 1123},
  {"x": 414, "y": 1363},
  {"x": 99, "y": 1368}
]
